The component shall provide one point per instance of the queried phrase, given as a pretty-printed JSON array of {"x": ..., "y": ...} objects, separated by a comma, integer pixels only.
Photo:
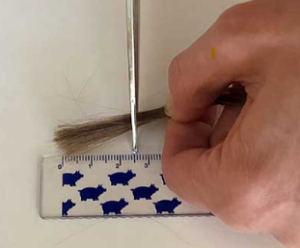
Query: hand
[{"x": 245, "y": 168}]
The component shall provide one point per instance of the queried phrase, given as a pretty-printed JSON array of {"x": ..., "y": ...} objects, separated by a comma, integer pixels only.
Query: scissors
[{"x": 133, "y": 20}]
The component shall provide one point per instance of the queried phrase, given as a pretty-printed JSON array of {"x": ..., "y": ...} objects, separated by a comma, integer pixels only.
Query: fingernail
[{"x": 168, "y": 107}]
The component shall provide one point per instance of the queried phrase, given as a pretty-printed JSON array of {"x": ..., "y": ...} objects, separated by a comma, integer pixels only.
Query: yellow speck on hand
[{"x": 213, "y": 53}]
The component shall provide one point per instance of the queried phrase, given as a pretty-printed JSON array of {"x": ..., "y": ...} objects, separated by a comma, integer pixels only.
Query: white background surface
[{"x": 64, "y": 60}]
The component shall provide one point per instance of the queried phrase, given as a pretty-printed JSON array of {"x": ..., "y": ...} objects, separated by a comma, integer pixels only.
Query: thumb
[{"x": 188, "y": 162}]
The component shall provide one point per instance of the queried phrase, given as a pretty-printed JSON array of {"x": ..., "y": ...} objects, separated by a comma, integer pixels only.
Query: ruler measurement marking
[
  {"x": 118, "y": 158},
  {"x": 91, "y": 162},
  {"x": 63, "y": 162}
]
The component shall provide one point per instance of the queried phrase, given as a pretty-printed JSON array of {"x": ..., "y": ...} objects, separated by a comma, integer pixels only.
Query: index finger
[{"x": 198, "y": 75}]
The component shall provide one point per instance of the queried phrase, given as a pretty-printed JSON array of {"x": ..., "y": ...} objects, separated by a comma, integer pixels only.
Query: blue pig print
[
  {"x": 144, "y": 192},
  {"x": 122, "y": 178},
  {"x": 166, "y": 206},
  {"x": 66, "y": 206},
  {"x": 71, "y": 179},
  {"x": 91, "y": 193},
  {"x": 113, "y": 206}
]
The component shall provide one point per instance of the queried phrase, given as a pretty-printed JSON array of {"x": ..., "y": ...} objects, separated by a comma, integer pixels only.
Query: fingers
[
  {"x": 224, "y": 124},
  {"x": 180, "y": 137},
  {"x": 198, "y": 75},
  {"x": 209, "y": 116},
  {"x": 185, "y": 144},
  {"x": 190, "y": 91},
  {"x": 196, "y": 79}
]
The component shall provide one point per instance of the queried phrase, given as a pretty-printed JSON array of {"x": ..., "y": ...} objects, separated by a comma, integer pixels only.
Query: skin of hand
[{"x": 244, "y": 166}]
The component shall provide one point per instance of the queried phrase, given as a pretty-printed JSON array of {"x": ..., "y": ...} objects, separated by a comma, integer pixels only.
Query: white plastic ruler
[{"x": 108, "y": 185}]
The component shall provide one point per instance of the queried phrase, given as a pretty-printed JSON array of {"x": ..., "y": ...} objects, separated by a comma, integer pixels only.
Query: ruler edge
[
  {"x": 40, "y": 201},
  {"x": 150, "y": 216}
]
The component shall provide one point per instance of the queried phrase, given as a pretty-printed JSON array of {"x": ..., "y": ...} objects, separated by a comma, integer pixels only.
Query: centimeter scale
[{"x": 108, "y": 185}]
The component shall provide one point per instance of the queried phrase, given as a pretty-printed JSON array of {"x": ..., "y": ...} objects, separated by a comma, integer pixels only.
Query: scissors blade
[{"x": 133, "y": 15}]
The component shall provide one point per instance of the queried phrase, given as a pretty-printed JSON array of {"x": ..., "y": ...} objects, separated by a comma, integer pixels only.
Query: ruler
[{"x": 108, "y": 185}]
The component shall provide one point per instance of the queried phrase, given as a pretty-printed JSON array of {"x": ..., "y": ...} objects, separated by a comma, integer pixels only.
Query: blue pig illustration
[
  {"x": 113, "y": 206},
  {"x": 91, "y": 193},
  {"x": 167, "y": 206},
  {"x": 71, "y": 179},
  {"x": 144, "y": 192},
  {"x": 66, "y": 206},
  {"x": 121, "y": 177}
]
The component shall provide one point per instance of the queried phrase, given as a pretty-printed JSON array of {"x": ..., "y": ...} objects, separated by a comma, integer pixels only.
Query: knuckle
[
  {"x": 233, "y": 22},
  {"x": 178, "y": 79},
  {"x": 233, "y": 29},
  {"x": 175, "y": 70},
  {"x": 236, "y": 12}
]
